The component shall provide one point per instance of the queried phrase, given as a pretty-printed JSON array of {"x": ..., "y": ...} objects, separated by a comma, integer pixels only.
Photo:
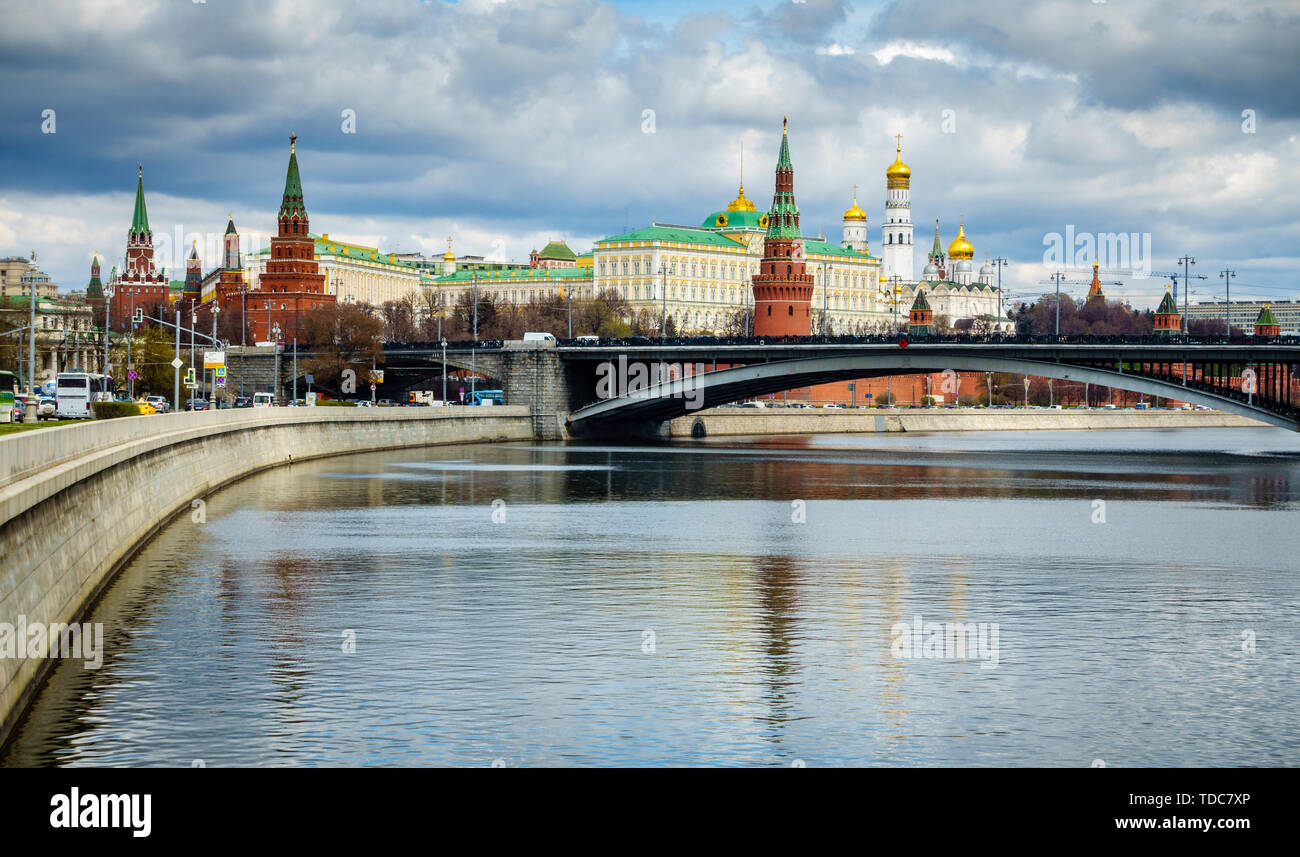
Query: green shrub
[
  {"x": 334, "y": 403},
  {"x": 113, "y": 410}
]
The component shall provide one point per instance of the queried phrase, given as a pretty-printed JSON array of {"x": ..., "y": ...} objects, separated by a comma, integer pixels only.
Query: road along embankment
[
  {"x": 76, "y": 502},
  {"x": 757, "y": 421}
]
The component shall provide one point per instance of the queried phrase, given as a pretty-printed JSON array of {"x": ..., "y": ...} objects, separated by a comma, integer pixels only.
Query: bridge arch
[{"x": 670, "y": 399}]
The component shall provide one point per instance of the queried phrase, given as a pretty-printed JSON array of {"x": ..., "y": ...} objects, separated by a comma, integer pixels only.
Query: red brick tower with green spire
[
  {"x": 1267, "y": 324},
  {"x": 920, "y": 320},
  {"x": 783, "y": 287},
  {"x": 140, "y": 285},
  {"x": 1168, "y": 322},
  {"x": 292, "y": 283}
]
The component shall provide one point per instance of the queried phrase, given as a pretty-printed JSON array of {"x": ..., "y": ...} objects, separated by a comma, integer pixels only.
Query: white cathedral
[{"x": 951, "y": 286}]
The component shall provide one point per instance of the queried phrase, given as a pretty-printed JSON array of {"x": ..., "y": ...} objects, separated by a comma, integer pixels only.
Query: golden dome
[
  {"x": 449, "y": 256},
  {"x": 899, "y": 174},
  {"x": 740, "y": 203},
  {"x": 855, "y": 213},
  {"x": 960, "y": 248}
]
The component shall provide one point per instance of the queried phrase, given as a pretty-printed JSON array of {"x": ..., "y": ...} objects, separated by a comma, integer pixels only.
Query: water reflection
[{"x": 522, "y": 640}]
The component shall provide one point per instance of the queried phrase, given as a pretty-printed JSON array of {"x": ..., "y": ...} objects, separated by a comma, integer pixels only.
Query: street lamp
[
  {"x": 1026, "y": 391},
  {"x": 663, "y": 287},
  {"x": 444, "y": 370},
  {"x": 825, "y": 289},
  {"x": 473, "y": 355}
]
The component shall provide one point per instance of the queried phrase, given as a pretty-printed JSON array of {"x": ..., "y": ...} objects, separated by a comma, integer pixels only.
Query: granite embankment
[
  {"x": 77, "y": 501},
  {"x": 758, "y": 421}
]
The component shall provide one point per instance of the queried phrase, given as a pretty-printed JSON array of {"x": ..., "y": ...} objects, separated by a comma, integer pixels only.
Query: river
[{"x": 1130, "y": 598}]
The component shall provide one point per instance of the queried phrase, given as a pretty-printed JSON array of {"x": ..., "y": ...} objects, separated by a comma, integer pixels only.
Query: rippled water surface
[{"x": 658, "y": 605}]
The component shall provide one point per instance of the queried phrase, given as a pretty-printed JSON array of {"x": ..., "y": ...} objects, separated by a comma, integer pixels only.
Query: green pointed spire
[
  {"x": 292, "y": 203},
  {"x": 140, "y": 220},
  {"x": 1266, "y": 316},
  {"x": 783, "y": 216},
  {"x": 920, "y": 304},
  {"x": 1167, "y": 306},
  {"x": 784, "y": 159},
  {"x": 937, "y": 250}
]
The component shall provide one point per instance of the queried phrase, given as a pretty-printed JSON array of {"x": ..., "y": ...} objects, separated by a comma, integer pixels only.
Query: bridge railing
[{"x": 948, "y": 338}]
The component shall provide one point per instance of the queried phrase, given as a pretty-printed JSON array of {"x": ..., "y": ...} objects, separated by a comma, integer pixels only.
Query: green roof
[
  {"x": 681, "y": 234},
  {"x": 920, "y": 304},
  {"x": 736, "y": 220},
  {"x": 335, "y": 248},
  {"x": 292, "y": 202},
  {"x": 140, "y": 219},
  {"x": 1266, "y": 316},
  {"x": 826, "y": 248},
  {"x": 557, "y": 250},
  {"x": 1167, "y": 306},
  {"x": 519, "y": 274}
]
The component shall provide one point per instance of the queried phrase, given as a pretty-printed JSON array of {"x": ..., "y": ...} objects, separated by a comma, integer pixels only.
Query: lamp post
[
  {"x": 826, "y": 282},
  {"x": 215, "y": 309},
  {"x": 1000, "y": 262},
  {"x": 473, "y": 355},
  {"x": 1227, "y": 274},
  {"x": 32, "y": 405},
  {"x": 1026, "y": 391},
  {"x": 988, "y": 381},
  {"x": 663, "y": 287},
  {"x": 444, "y": 370}
]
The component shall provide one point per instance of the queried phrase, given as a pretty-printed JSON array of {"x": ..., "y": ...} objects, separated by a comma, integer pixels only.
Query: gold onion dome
[
  {"x": 740, "y": 203},
  {"x": 855, "y": 213},
  {"x": 449, "y": 256},
  {"x": 899, "y": 173},
  {"x": 960, "y": 248}
]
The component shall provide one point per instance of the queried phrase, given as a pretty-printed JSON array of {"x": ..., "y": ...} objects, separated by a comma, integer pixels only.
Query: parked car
[
  {"x": 20, "y": 407},
  {"x": 160, "y": 405},
  {"x": 196, "y": 404},
  {"x": 243, "y": 401}
]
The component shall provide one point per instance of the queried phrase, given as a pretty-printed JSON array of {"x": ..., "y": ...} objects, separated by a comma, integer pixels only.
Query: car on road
[
  {"x": 197, "y": 404},
  {"x": 20, "y": 407},
  {"x": 159, "y": 404},
  {"x": 243, "y": 402},
  {"x": 46, "y": 408},
  {"x": 145, "y": 407},
  {"x": 386, "y": 403},
  {"x": 263, "y": 400}
]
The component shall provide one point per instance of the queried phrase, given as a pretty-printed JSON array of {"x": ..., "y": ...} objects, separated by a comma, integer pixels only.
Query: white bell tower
[{"x": 896, "y": 231}]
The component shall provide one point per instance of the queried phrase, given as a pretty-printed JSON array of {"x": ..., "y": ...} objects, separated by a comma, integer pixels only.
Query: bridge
[{"x": 559, "y": 381}]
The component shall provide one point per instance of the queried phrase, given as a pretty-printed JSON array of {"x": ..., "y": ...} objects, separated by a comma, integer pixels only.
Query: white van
[
  {"x": 263, "y": 400},
  {"x": 539, "y": 337}
]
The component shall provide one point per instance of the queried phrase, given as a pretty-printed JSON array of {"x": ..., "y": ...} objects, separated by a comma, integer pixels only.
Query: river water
[{"x": 1130, "y": 597}]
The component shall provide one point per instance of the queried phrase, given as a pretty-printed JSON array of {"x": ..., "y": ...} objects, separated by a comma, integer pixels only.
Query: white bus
[{"x": 73, "y": 394}]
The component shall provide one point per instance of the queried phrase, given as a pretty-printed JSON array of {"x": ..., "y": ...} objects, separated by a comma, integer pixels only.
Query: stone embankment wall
[
  {"x": 754, "y": 421},
  {"x": 77, "y": 501}
]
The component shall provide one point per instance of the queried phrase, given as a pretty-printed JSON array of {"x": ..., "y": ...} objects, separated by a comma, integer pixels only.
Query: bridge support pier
[{"x": 537, "y": 378}]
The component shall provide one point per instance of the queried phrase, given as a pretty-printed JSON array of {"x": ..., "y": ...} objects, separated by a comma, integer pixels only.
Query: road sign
[
  {"x": 376, "y": 376},
  {"x": 372, "y": 388},
  {"x": 177, "y": 363},
  {"x": 221, "y": 380},
  {"x": 852, "y": 386},
  {"x": 221, "y": 372},
  {"x": 132, "y": 375},
  {"x": 189, "y": 378},
  {"x": 213, "y": 359}
]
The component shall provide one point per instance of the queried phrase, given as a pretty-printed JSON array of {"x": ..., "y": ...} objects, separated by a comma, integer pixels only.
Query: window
[
  {"x": 791, "y": 308},
  {"x": 769, "y": 309}
]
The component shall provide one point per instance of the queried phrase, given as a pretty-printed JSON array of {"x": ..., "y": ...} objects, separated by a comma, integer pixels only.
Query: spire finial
[
  {"x": 898, "y": 141},
  {"x": 742, "y": 167},
  {"x": 293, "y": 143},
  {"x": 140, "y": 174},
  {"x": 855, "y": 196},
  {"x": 785, "y": 124}
]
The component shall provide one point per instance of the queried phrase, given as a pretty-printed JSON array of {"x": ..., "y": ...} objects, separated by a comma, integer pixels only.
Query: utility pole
[
  {"x": 663, "y": 315},
  {"x": 130, "y": 339},
  {"x": 473, "y": 355},
  {"x": 176, "y": 373},
  {"x": 1186, "y": 262},
  {"x": 1227, "y": 274},
  {"x": 1000, "y": 261},
  {"x": 1058, "y": 276},
  {"x": 295, "y": 370},
  {"x": 215, "y": 309},
  {"x": 826, "y": 281}
]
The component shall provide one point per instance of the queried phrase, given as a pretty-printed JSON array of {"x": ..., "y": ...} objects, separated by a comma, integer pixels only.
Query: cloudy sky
[{"x": 505, "y": 124}]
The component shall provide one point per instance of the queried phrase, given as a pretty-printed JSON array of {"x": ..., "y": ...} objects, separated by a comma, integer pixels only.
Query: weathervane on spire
[{"x": 293, "y": 142}]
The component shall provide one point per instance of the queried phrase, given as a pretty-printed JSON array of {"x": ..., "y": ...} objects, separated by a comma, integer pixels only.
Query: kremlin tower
[
  {"x": 896, "y": 233},
  {"x": 920, "y": 321},
  {"x": 783, "y": 287},
  {"x": 1168, "y": 322},
  {"x": 1266, "y": 324},
  {"x": 292, "y": 283},
  {"x": 141, "y": 286},
  {"x": 193, "y": 290},
  {"x": 1094, "y": 290}
]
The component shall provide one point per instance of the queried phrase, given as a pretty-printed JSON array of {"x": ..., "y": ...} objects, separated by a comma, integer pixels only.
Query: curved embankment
[
  {"x": 77, "y": 501},
  {"x": 752, "y": 421}
]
